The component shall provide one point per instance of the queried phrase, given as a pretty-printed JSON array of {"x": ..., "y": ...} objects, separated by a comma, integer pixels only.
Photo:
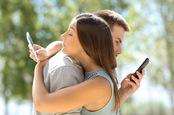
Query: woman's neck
[{"x": 88, "y": 63}]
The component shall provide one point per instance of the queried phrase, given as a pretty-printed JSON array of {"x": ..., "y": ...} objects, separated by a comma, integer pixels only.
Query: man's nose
[{"x": 118, "y": 50}]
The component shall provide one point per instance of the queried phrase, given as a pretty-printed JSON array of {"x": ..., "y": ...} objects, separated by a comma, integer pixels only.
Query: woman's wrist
[
  {"x": 48, "y": 54},
  {"x": 39, "y": 65}
]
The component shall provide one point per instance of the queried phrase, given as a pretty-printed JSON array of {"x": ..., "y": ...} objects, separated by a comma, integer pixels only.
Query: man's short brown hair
[{"x": 113, "y": 18}]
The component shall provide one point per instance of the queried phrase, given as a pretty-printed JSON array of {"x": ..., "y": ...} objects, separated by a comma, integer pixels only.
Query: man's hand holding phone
[
  {"x": 132, "y": 81},
  {"x": 128, "y": 87},
  {"x": 142, "y": 66}
]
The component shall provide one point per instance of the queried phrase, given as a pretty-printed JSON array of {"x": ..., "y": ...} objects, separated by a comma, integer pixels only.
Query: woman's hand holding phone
[
  {"x": 42, "y": 53},
  {"x": 31, "y": 44}
]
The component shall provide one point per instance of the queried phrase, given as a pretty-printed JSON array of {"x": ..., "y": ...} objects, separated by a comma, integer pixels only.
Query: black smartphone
[{"x": 142, "y": 66}]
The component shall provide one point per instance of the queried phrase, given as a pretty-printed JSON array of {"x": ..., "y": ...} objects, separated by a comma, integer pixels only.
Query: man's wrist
[{"x": 123, "y": 95}]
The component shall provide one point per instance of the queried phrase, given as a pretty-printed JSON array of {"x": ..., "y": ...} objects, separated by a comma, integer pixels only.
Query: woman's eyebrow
[{"x": 72, "y": 28}]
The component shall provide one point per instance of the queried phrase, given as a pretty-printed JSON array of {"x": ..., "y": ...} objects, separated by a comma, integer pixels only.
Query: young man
[{"x": 54, "y": 71}]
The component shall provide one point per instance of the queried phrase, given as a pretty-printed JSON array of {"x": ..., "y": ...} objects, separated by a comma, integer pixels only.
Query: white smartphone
[{"x": 31, "y": 44}]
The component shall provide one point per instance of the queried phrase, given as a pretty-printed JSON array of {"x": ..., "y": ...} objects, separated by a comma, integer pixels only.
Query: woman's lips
[{"x": 63, "y": 45}]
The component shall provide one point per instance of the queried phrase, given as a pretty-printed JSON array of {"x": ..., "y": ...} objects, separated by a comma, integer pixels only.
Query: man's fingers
[
  {"x": 136, "y": 81},
  {"x": 140, "y": 76},
  {"x": 129, "y": 75},
  {"x": 143, "y": 72},
  {"x": 135, "y": 85}
]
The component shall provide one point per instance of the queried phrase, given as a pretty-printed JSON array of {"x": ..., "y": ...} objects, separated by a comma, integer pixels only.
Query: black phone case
[{"x": 142, "y": 66}]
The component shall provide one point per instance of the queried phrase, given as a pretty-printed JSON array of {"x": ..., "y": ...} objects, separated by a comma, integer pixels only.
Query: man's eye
[{"x": 117, "y": 42}]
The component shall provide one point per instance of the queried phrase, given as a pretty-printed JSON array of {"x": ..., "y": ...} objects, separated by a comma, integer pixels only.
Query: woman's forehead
[{"x": 73, "y": 23}]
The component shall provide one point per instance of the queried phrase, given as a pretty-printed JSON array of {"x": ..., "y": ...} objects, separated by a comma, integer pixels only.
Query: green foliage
[{"x": 17, "y": 17}]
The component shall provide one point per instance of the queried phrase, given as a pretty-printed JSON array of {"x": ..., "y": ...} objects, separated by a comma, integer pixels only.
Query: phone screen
[{"x": 30, "y": 41}]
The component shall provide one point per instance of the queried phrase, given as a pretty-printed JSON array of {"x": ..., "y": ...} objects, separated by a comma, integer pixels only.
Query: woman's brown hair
[{"x": 95, "y": 37}]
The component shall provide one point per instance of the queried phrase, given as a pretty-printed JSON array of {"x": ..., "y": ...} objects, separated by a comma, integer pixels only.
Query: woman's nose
[{"x": 63, "y": 36}]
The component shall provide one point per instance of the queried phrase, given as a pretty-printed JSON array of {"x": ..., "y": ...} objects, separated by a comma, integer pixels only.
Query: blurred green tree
[
  {"x": 166, "y": 10},
  {"x": 16, "y": 18}
]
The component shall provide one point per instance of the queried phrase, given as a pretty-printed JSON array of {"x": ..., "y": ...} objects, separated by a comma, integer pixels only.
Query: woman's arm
[
  {"x": 70, "y": 98},
  {"x": 54, "y": 47}
]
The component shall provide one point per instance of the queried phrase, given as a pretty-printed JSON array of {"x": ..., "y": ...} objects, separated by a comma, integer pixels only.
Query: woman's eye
[{"x": 69, "y": 34}]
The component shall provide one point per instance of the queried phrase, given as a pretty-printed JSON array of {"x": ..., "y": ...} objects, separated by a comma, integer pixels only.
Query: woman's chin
[{"x": 64, "y": 51}]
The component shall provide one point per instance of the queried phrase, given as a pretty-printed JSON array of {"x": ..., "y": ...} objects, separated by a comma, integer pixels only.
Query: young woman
[{"x": 89, "y": 40}]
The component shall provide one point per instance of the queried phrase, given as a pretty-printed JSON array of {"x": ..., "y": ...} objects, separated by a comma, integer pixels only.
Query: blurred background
[{"x": 151, "y": 35}]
